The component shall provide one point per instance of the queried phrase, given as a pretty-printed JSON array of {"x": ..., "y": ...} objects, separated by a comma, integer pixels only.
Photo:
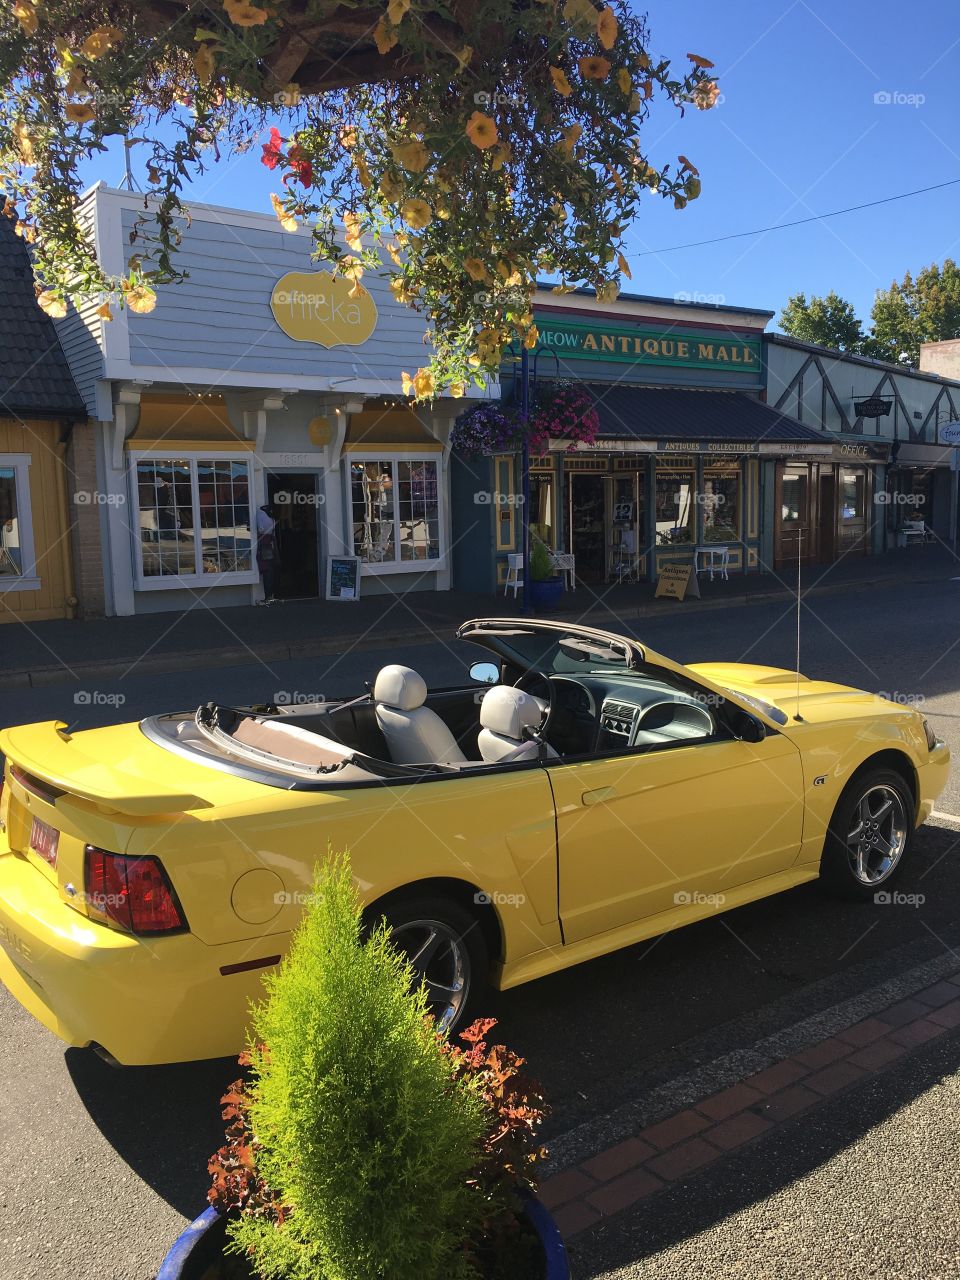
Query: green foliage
[
  {"x": 359, "y": 1121},
  {"x": 480, "y": 145},
  {"x": 912, "y": 312},
  {"x": 541, "y": 566},
  {"x": 827, "y": 322}
]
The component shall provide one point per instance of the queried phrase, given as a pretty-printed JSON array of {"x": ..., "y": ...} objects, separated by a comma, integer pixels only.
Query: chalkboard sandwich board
[{"x": 343, "y": 577}]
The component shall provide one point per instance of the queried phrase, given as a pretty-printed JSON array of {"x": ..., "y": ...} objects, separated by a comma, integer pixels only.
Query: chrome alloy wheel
[
  {"x": 878, "y": 836},
  {"x": 440, "y": 960}
]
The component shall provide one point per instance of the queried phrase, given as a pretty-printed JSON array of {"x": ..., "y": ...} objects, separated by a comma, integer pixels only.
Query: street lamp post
[{"x": 525, "y": 477}]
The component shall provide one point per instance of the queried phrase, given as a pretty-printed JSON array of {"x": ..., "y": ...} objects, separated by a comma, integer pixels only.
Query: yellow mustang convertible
[{"x": 583, "y": 793}]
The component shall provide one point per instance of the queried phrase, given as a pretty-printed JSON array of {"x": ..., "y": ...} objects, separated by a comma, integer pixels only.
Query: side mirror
[
  {"x": 747, "y": 727},
  {"x": 485, "y": 673}
]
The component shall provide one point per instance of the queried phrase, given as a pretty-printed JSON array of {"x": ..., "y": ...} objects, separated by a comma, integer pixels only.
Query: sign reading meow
[
  {"x": 316, "y": 306},
  {"x": 579, "y": 340}
]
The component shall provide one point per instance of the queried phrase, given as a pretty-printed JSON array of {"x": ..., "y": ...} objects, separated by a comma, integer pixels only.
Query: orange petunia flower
[
  {"x": 607, "y": 27},
  {"x": 594, "y": 68},
  {"x": 481, "y": 130}
]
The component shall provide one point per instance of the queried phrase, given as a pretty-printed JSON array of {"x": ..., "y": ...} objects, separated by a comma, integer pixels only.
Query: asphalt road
[{"x": 101, "y": 1167}]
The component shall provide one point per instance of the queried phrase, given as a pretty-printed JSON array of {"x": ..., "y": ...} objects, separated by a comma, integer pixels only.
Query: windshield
[{"x": 555, "y": 653}]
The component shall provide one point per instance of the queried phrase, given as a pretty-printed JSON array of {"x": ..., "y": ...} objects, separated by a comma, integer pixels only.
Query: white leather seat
[
  {"x": 414, "y": 733},
  {"x": 505, "y": 713}
]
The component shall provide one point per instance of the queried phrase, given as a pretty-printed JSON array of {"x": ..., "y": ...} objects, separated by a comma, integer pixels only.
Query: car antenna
[{"x": 798, "y": 716}]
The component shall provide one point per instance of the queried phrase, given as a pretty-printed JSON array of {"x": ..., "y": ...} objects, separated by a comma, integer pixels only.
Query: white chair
[
  {"x": 564, "y": 562},
  {"x": 714, "y": 558},
  {"x": 913, "y": 531},
  {"x": 514, "y": 576},
  {"x": 506, "y": 714},
  {"x": 414, "y": 733}
]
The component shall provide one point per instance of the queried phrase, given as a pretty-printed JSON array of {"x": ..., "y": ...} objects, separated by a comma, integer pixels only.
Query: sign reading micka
[
  {"x": 588, "y": 340},
  {"x": 316, "y": 306}
]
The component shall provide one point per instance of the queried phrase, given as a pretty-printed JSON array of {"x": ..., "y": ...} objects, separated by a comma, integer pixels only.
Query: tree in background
[
  {"x": 907, "y": 314},
  {"x": 914, "y": 311},
  {"x": 827, "y": 322}
]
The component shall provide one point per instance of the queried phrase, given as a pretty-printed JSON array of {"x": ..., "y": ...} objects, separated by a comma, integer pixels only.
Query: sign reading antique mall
[
  {"x": 589, "y": 340},
  {"x": 316, "y": 306}
]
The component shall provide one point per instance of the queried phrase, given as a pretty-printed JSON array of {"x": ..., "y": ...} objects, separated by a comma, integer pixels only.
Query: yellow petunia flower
[
  {"x": 26, "y": 15},
  {"x": 351, "y": 225},
  {"x": 416, "y": 214},
  {"x": 391, "y": 189},
  {"x": 607, "y": 27},
  {"x": 407, "y": 383},
  {"x": 560, "y": 81},
  {"x": 413, "y": 155},
  {"x": 608, "y": 291},
  {"x": 481, "y": 130},
  {"x": 396, "y": 9},
  {"x": 287, "y": 220},
  {"x": 351, "y": 268},
  {"x": 624, "y": 80},
  {"x": 52, "y": 304},
  {"x": 141, "y": 299},
  {"x": 697, "y": 61},
  {"x": 475, "y": 269},
  {"x": 384, "y": 36},
  {"x": 204, "y": 63},
  {"x": 624, "y": 266},
  {"x": 105, "y": 312},
  {"x": 244, "y": 14},
  {"x": 705, "y": 95},
  {"x": 100, "y": 42},
  {"x": 423, "y": 384},
  {"x": 458, "y": 390},
  {"x": 594, "y": 68},
  {"x": 570, "y": 139},
  {"x": 79, "y": 112}
]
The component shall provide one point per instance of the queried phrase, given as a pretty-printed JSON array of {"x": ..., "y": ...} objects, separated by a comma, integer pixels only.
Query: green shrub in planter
[
  {"x": 541, "y": 565},
  {"x": 356, "y": 1117}
]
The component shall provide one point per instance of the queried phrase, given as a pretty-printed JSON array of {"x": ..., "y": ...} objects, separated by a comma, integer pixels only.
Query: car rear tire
[
  {"x": 446, "y": 946},
  {"x": 869, "y": 835}
]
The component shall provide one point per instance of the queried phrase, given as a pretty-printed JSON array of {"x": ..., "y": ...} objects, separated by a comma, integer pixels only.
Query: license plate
[{"x": 44, "y": 840}]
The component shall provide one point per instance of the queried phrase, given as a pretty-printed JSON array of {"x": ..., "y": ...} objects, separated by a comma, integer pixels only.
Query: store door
[
  {"x": 796, "y": 533},
  {"x": 296, "y": 499},
  {"x": 853, "y": 511},
  {"x": 585, "y": 513}
]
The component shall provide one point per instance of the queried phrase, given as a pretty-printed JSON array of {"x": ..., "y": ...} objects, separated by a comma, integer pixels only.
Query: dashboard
[{"x": 598, "y": 712}]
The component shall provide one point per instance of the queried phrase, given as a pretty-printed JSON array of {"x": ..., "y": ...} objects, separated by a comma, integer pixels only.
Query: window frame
[
  {"x": 721, "y": 469},
  {"x": 394, "y": 457},
  {"x": 170, "y": 582},
  {"x": 28, "y": 579}
]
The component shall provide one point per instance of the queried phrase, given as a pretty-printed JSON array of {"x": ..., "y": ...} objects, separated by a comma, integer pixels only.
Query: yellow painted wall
[{"x": 51, "y": 527}]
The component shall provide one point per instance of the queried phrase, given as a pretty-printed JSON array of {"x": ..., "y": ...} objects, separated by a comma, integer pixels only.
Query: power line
[{"x": 782, "y": 226}]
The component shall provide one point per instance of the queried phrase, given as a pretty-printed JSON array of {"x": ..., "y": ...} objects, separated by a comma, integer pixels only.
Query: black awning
[{"x": 674, "y": 414}]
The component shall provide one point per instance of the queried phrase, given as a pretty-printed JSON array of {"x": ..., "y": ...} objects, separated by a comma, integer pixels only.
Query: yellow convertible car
[{"x": 580, "y": 794}]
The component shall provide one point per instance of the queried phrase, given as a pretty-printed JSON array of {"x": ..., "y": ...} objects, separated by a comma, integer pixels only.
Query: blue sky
[{"x": 798, "y": 131}]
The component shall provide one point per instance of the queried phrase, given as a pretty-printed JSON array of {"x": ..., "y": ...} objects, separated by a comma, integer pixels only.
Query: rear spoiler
[{"x": 46, "y": 751}]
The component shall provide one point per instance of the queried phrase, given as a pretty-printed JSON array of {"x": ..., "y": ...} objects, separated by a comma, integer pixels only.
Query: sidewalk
[
  {"x": 50, "y": 652},
  {"x": 690, "y": 1188}
]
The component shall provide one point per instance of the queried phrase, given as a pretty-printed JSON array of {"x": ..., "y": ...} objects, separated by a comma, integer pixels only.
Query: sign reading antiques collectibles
[
  {"x": 315, "y": 306},
  {"x": 589, "y": 340},
  {"x": 676, "y": 580}
]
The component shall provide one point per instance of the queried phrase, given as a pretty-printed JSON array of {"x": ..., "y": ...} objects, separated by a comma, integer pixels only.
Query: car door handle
[{"x": 598, "y": 796}]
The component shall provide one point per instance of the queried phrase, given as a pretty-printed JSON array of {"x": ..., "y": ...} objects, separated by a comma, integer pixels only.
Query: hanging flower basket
[
  {"x": 564, "y": 412},
  {"x": 487, "y": 429}
]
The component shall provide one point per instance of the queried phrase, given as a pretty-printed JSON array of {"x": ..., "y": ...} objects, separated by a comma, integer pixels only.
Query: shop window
[
  {"x": 506, "y": 503},
  {"x": 17, "y": 567},
  {"x": 543, "y": 514},
  {"x": 675, "y": 505},
  {"x": 395, "y": 508},
  {"x": 720, "y": 501},
  {"x": 793, "y": 501},
  {"x": 193, "y": 520},
  {"x": 853, "y": 485}
]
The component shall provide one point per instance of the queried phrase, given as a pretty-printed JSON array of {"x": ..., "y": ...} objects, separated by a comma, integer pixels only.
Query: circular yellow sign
[{"x": 321, "y": 432}]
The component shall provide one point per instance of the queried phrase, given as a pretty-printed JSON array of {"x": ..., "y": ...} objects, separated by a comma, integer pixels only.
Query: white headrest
[
  {"x": 509, "y": 711},
  {"x": 400, "y": 687}
]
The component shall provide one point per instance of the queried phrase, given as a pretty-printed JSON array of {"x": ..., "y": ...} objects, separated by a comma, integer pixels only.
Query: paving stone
[
  {"x": 836, "y": 1077},
  {"x": 668, "y": 1132},
  {"x": 916, "y": 1033},
  {"x": 874, "y": 1056},
  {"x": 737, "y": 1130},
  {"x": 623, "y": 1191},
  {"x": 574, "y": 1217},
  {"x": 729, "y": 1101},
  {"x": 940, "y": 993},
  {"x": 565, "y": 1186},
  {"x": 948, "y": 1015},
  {"x": 778, "y": 1076},
  {"x": 903, "y": 1011},
  {"x": 822, "y": 1054},
  {"x": 616, "y": 1160},
  {"x": 867, "y": 1031},
  {"x": 787, "y": 1103},
  {"x": 681, "y": 1160}
]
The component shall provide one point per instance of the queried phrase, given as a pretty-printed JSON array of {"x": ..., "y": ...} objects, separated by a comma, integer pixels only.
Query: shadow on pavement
[
  {"x": 164, "y": 1122},
  {"x": 736, "y": 1182}
]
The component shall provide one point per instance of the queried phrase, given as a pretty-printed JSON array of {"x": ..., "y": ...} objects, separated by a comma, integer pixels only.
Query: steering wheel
[{"x": 541, "y": 690}]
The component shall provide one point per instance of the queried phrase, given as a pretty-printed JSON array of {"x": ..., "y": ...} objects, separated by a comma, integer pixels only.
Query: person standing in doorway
[{"x": 268, "y": 556}]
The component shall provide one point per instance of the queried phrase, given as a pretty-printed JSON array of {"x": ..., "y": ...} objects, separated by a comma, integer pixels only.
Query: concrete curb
[{"x": 298, "y": 650}]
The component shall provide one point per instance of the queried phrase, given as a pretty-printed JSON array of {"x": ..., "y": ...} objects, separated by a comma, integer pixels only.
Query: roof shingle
[
  {"x": 670, "y": 413},
  {"x": 35, "y": 380}
]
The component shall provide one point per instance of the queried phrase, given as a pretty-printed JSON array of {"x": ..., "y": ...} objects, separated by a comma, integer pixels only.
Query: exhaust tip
[{"x": 107, "y": 1057}]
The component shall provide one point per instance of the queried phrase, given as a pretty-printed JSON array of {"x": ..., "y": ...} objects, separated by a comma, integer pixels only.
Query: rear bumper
[{"x": 145, "y": 1000}]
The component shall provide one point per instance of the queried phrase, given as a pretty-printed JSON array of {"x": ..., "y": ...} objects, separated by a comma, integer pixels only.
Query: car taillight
[{"x": 132, "y": 893}]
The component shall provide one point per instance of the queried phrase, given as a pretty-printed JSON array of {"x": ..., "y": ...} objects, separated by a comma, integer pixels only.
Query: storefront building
[
  {"x": 43, "y": 441},
  {"x": 887, "y": 478},
  {"x": 682, "y": 461},
  {"x": 260, "y": 379}
]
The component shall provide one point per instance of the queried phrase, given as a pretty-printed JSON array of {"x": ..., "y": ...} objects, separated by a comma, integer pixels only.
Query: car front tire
[
  {"x": 869, "y": 836},
  {"x": 446, "y": 947}
]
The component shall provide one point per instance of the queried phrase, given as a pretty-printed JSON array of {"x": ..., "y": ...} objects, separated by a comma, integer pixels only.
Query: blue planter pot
[
  {"x": 197, "y": 1248},
  {"x": 545, "y": 593}
]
